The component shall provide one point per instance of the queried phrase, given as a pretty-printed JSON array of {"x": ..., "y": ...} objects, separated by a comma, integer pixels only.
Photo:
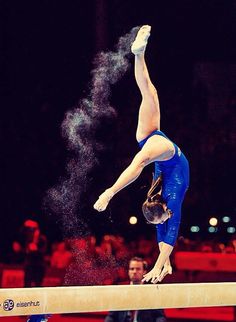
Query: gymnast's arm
[
  {"x": 164, "y": 247},
  {"x": 154, "y": 149},
  {"x": 162, "y": 266},
  {"x": 167, "y": 234},
  {"x": 130, "y": 174},
  {"x": 165, "y": 250}
]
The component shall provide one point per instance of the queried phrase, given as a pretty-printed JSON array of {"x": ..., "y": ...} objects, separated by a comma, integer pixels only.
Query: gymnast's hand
[
  {"x": 153, "y": 275},
  {"x": 167, "y": 269},
  {"x": 157, "y": 275},
  {"x": 103, "y": 200}
]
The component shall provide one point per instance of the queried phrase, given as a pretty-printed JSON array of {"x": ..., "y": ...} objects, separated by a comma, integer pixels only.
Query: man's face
[{"x": 136, "y": 272}]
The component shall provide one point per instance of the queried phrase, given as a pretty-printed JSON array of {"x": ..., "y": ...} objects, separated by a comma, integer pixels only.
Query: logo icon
[{"x": 8, "y": 305}]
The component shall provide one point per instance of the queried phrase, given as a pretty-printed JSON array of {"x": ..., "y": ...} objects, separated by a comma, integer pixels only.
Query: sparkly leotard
[{"x": 175, "y": 182}]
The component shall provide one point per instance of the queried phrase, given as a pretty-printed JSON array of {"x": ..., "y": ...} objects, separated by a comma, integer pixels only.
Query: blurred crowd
[{"x": 89, "y": 261}]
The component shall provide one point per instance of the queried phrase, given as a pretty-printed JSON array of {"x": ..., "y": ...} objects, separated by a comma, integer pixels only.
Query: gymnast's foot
[
  {"x": 103, "y": 200},
  {"x": 140, "y": 42}
]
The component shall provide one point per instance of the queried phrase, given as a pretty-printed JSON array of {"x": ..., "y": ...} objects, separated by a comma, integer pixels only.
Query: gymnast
[{"x": 171, "y": 169}]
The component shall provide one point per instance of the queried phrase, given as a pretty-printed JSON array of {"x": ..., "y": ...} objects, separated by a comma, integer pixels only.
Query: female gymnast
[{"x": 171, "y": 167}]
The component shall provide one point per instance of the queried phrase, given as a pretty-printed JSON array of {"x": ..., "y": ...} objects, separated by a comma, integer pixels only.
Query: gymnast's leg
[
  {"x": 148, "y": 121},
  {"x": 149, "y": 111}
]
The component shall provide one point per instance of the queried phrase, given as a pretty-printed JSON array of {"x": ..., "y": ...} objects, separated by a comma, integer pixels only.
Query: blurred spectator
[
  {"x": 184, "y": 244},
  {"x": 120, "y": 249},
  {"x": 147, "y": 249},
  {"x": 113, "y": 246},
  {"x": 105, "y": 249},
  {"x": 61, "y": 256},
  {"x": 32, "y": 246},
  {"x": 17, "y": 254},
  {"x": 87, "y": 267},
  {"x": 232, "y": 242},
  {"x": 39, "y": 318},
  {"x": 206, "y": 248},
  {"x": 229, "y": 249}
]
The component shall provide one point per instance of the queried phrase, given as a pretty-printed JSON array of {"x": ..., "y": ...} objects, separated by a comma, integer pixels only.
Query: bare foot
[
  {"x": 103, "y": 200},
  {"x": 140, "y": 43}
]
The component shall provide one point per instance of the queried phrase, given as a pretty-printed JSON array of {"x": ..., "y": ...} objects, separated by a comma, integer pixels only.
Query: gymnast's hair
[{"x": 153, "y": 206}]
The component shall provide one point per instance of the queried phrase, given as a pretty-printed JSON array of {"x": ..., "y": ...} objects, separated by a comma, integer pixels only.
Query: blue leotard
[{"x": 175, "y": 182}]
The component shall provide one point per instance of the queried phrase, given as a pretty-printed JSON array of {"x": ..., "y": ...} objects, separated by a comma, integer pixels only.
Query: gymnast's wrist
[{"x": 167, "y": 265}]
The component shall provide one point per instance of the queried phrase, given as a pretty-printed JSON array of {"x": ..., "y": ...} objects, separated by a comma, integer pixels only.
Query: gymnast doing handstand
[{"x": 171, "y": 168}]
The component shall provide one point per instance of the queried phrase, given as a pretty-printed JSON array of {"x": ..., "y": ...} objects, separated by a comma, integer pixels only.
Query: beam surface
[{"x": 72, "y": 299}]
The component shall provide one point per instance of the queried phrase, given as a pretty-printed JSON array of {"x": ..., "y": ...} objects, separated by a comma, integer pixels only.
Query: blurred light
[
  {"x": 212, "y": 229},
  {"x": 133, "y": 220},
  {"x": 213, "y": 221},
  {"x": 194, "y": 229},
  {"x": 231, "y": 230},
  {"x": 226, "y": 219}
]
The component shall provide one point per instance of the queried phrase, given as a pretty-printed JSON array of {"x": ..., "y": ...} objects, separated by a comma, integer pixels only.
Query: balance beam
[{"x": 72, "y": 299}]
